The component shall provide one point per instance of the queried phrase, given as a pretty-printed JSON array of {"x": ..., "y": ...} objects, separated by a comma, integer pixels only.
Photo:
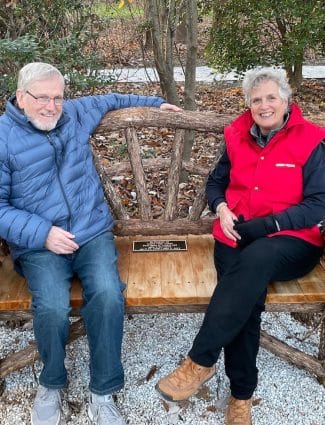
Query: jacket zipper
[{"x": 60, "y": 182}]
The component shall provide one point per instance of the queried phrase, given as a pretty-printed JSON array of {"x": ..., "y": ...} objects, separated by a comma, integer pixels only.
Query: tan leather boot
[
  {"x": 239, "y": 412},
  {"x": 184, "y": 381}
]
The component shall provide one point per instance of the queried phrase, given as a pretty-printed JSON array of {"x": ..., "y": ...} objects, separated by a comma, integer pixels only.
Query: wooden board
[
  {"x": 201, "y": 251},
  {"x": 161, "y": 279},
  {"x": 144, "y": 276},
  {"x": 172, "y": 278},
  {"x": 14, "y": 293},
  {"x": 309, "y": 288}
]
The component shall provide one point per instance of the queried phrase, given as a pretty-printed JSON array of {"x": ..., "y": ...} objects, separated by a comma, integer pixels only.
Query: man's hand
[
  {"x": 255, "y": 228},
  {"x": 60, "y": 241},
  {"x": 170, "y": 107}
]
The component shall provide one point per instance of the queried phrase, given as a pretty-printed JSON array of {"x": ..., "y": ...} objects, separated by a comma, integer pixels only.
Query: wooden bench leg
[
  {"x": 29, "y": 355},
  {"x": 294, "y": 356},
  {"x": 321, "y": 353}
]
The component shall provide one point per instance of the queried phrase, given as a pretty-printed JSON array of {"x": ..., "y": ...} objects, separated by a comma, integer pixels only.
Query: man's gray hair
[
  {"x": 36, "y": 71},
  {"x": 256, "y": 76}
]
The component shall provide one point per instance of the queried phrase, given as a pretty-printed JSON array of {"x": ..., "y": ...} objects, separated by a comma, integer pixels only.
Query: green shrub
[
  {"x": 13, "y": 54},
  {"x": 271, "y": 32},
  {"x": 61, "y": 32}
]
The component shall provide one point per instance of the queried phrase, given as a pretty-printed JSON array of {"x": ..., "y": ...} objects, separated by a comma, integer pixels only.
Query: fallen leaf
[
  {"x": 151, "y": 372},
  {"x": 204, "y": 393},
  {"x": 256, "y": 401}
]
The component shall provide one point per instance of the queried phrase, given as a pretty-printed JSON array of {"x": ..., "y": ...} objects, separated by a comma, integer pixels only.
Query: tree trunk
[
  {"x": 293, "y": 70},
  {"x": 190, "y": 75},
  {"x": 161, "y": 46},
  {"x": 294, "y": 73},
  {"x": 181, "y": 30},
  {"x": 163, "y": 38},
  {"x": 147, "y": 43}
]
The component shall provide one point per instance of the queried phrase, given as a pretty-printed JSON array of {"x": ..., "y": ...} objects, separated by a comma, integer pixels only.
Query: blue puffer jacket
[{"x": 49, "y": 178}]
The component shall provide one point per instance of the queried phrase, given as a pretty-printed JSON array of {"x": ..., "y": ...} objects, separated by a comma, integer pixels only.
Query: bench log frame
[{"x": 196, "y": 223}]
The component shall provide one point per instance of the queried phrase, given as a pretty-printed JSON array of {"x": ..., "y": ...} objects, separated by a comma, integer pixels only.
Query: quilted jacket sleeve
[
  {"x": 90, "y": 110},
  {"x": 18, "y": 227}
]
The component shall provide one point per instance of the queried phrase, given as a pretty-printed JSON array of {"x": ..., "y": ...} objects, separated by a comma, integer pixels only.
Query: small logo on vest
[{"x": 280, "y": 164}]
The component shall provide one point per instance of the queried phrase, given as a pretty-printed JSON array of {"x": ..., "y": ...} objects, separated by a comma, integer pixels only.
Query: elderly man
[{"x": 54, "y": 216}]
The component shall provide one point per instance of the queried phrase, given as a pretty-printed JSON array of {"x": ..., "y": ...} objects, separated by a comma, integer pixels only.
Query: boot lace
[
  {"x": 186, "y": 372},
  {"x": 239, "y": 410}
]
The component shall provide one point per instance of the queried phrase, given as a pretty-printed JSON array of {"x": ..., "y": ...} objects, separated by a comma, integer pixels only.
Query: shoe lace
[
  {"x": 47, "y": 396},
  {"x": 239, "y": 409},
  {"x": 187, "y": 371},
  {"x": 108, "y": 411}
]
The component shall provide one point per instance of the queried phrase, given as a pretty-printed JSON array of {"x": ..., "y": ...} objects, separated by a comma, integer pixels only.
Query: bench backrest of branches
[{"x": 129, "y": 120}]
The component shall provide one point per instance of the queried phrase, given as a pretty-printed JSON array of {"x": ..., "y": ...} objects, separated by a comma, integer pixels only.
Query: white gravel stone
[{"x": 153, "y": 345}]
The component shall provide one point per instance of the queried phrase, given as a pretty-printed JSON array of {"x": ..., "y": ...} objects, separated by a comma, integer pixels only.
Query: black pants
[{"x": 233, "y": 317}]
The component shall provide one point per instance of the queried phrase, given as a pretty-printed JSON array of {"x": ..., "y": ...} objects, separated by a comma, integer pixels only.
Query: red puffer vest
[{"x": 269, "y": 180}]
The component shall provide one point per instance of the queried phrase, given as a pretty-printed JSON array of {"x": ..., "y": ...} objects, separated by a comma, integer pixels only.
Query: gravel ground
[{"x": 153, "y": 345}]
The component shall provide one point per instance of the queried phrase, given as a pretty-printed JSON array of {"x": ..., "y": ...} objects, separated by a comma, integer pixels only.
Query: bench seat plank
[
  {"x": 167, "y": 278},
  {"x": 309, "y": 288},
  {"x": 201, "y": 250},
  {"x": 13, "y": 289},
  {"x": 144, "y": 277}
]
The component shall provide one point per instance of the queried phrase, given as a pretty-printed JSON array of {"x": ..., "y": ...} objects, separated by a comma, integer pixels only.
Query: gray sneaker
[
  {"x": 47, "y": 407},
  {"x": 102, "y": 411}
]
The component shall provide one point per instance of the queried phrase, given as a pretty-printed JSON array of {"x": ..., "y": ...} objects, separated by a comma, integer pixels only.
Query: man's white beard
[{"x": 44, "y": 126}]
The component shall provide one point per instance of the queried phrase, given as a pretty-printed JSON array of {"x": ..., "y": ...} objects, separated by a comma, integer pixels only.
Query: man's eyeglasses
[{"x": 44, "y": 100}]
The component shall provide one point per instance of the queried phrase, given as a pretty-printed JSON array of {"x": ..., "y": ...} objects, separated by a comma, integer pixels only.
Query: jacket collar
[
  {"x": 261, "y": 139},
  {"x": 244, "y": 122}
]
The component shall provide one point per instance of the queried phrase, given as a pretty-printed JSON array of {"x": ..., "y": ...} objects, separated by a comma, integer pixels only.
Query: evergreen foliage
[
  {"x": 271, "y": 32},
  {"x": 61, "y": 32}
]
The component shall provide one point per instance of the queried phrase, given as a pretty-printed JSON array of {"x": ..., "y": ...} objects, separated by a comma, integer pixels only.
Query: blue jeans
[{"x": 49, "y": 279}]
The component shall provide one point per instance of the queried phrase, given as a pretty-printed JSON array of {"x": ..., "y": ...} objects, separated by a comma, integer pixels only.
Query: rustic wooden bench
[{"x": 165, "y": 276}]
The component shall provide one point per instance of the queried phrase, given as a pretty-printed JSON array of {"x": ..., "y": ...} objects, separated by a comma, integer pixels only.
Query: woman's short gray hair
[
  {"x": 36, "y": 71},
  {"x": 256, "y": 76}
]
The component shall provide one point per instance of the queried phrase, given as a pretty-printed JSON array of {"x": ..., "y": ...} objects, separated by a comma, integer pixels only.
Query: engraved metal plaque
[{"x": 159, "y": 245}]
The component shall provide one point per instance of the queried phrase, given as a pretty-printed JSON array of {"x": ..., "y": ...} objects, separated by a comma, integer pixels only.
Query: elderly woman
[{"x": 268, "y": 193}]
